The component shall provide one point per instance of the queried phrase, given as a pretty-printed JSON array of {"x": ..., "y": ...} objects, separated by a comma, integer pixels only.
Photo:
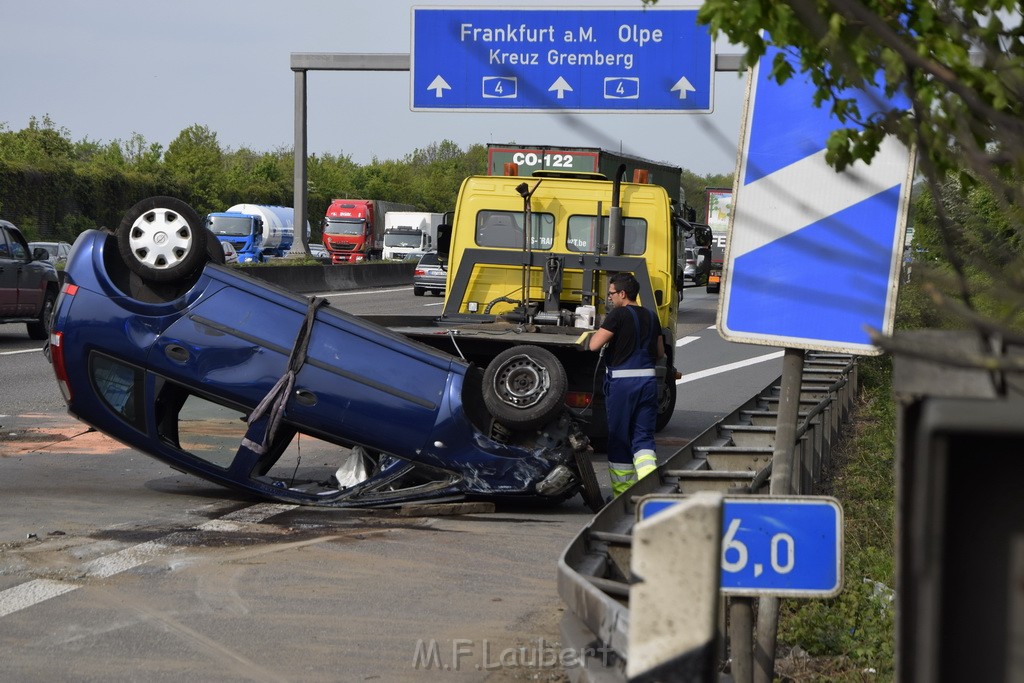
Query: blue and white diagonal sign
[
  {"x": 598, "y": 60},
  {"x": 813, "y": 256}
]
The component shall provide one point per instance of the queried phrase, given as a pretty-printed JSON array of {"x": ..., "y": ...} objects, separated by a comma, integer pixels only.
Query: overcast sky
[{"x": 105, "y": 69}]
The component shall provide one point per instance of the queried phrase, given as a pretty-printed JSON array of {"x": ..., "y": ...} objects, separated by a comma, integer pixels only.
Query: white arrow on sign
[
  {"x": 683, "y": 85},
  {"x": 560, "y": 86},
  {"x": 438, "y": 85}
]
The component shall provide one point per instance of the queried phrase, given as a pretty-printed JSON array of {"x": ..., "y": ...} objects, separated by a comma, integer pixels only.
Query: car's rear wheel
[
  {"x": 162, "y": 239},
  {"x": 417, "y": 291},
  {"x": 524, "y": 387},
  {"x": 40, "y": 329}
]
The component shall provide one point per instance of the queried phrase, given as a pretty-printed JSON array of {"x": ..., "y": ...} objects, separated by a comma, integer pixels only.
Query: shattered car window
[{"x": 117, "y": 385}]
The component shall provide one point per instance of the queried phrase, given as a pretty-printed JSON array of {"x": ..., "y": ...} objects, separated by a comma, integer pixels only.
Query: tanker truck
[{"x": 254, "y": 230}]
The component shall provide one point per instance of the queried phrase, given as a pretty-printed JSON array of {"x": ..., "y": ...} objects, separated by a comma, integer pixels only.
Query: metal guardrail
[
  {"x": 307, "y": 279},
  {"x": 735, "y": 456}
]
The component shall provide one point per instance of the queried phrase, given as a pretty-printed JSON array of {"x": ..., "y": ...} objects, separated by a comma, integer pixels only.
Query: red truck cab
[{"x": 348, "y": 230}]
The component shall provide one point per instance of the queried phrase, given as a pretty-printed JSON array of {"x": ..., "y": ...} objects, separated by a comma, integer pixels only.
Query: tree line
[{"x": 54, "y": 187}]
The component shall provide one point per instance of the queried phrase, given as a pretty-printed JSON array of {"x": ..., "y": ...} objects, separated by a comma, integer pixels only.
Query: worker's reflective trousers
[{"x": 631, "y": 397}]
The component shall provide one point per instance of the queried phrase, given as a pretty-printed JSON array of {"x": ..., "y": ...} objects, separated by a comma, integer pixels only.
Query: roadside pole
[
  {"x": 781, "y": 485},
  {"x": 755, "y": 661},
  {"x": 741, "y": 636}
]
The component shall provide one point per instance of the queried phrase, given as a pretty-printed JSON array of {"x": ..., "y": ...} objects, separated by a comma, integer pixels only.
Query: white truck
[
  {"x": 255, "y": 230},
  {"x": 406, "y": 232}
]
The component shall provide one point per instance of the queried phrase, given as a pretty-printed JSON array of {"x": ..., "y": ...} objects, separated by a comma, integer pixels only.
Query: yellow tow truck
[{"x": 520, "y": 303}]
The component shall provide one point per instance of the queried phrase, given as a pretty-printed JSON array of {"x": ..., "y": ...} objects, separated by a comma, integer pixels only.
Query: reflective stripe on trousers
[
  {"x": 622, "y": 477},
  {"x": 645, "y": 462}
]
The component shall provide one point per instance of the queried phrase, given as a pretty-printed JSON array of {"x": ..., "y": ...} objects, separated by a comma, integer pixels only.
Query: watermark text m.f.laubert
[{"x": 461, "y": 654}]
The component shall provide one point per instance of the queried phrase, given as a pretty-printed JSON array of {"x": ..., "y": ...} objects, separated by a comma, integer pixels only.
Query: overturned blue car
[{"x": 247, "y": 385}]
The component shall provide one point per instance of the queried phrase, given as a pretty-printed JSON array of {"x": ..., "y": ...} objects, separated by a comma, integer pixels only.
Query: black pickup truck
[{"x": 28, "y": 283}]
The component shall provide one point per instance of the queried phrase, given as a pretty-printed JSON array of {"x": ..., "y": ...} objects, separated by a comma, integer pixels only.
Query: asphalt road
[{"x": 114, "y": 567}]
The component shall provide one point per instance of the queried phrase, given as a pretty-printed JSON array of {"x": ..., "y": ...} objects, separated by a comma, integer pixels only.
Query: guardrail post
[{"x": 673, "y": 615}]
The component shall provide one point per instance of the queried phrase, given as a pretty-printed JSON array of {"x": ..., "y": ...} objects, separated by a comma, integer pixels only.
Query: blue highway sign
[
  {"x": 783, "y": 546},
  {"x": 813, "y": 255},
  {"x": 595, "y": 60}
]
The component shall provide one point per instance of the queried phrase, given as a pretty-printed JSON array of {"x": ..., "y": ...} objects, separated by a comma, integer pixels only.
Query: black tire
[
  {"x": 524, "y": 387},
  {"x": 417, "y": 291},
  {"x": 40, "y": 329},
  {"x": 214, "y": 251},
  {"x": 589, "y": 488},
  {"x": 162, "y": 239},
  {"x": 666, "y": 401}
]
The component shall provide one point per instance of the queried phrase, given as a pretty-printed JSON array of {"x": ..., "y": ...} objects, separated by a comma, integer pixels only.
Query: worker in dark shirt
[{"x": 633, "y": 336}]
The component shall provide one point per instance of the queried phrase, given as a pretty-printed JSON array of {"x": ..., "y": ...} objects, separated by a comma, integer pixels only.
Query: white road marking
[
  {"x": 123, "y": 560},
  {"x": 12, "y": 353},
  {"x": 693, "y": 376},
  {"x": 33, "y": 592},
  {"x": 364, "y": 292},
  {"x": 686, "y": 340}
]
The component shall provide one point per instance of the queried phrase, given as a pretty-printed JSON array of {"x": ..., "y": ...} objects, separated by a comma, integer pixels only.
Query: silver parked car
[
  {"x": 57, "y": 251},
  {"x": 230, "y": 253},
  {"x": 429, "y": 276},
  {"x": 319, "y": 252}
]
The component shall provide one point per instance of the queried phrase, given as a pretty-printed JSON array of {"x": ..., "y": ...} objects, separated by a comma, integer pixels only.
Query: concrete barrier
[{"x": 335, "y": 278}]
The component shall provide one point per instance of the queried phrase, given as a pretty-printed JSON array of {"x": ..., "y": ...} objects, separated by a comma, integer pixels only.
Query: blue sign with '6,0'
[
  {"x": 543, "y": 59},
  {"x": 784, "y": 546}
]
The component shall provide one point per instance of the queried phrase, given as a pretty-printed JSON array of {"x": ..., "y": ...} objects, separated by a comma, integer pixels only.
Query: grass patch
[{"x": 852, "y": 637}]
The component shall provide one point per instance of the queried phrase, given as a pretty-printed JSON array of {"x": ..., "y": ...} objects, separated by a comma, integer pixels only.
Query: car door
[
  {"x": 30, "y": 290},
  {"x": 8, "y": 277}
]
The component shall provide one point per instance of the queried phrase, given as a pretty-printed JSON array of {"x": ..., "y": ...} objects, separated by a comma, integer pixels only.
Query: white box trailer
[{"x": 406, "y": 232}]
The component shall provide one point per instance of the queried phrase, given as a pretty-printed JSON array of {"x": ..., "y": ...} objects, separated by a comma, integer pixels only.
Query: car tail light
[
  {"x": 419, "y": 271},
  {"x": 56, "y": 346},
  {"x": 578, "y": 399},
  {"x": 59, "y": 369}
]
